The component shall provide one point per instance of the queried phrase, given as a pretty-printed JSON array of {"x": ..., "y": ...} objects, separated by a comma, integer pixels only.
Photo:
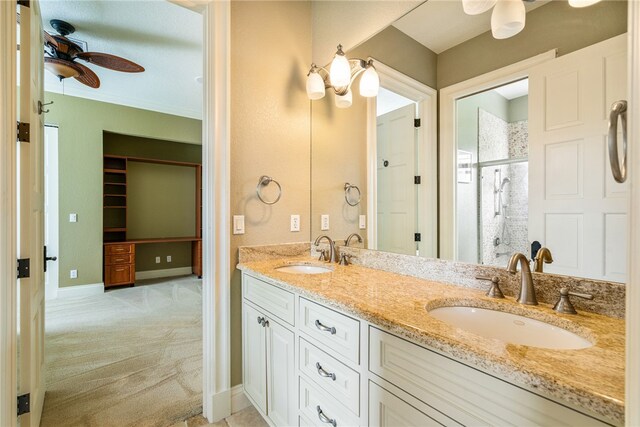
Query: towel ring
[
  {"x": 263, "y": 182},
  {"x": 347, "y": 192}
]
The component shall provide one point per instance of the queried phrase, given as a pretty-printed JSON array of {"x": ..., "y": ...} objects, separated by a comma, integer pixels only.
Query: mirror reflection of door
[{"x": 396, "y": 168}]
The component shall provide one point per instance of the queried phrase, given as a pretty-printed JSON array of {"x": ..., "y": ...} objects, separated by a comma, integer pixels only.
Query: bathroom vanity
[{"x": 355, "y": 346}]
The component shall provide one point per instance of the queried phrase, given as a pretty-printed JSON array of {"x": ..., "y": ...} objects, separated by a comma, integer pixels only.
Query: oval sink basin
[
  {"x": 304, "y": 269},
  {"x": 510, "y": 328}
]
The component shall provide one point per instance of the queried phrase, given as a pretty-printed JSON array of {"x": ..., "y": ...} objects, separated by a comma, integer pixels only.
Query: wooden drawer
[
  {"x": 274, "y": 300},
  {"x": 331, "y": 329},
  {"x": 119, "y": 274},
  {"x": 465, "y": 394},
  {"x": 120, "y": 259},
  {"x": 119, "y": 249},
  {"x": 336, "y": 378},
  {"x": 316, "y": 404}
]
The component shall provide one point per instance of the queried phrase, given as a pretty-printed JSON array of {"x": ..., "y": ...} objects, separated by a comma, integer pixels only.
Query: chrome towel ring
[
  {"x": 618, "y": 109},
  {"x": 263, "y": 182},
  {"x": 348, "y": 197}
]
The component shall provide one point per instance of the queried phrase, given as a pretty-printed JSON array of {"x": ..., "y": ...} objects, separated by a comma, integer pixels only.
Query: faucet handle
[
  {"x": 494, "y": 291},
  {"x": 564, "y": 305},
  {"x": 345, "y": 259},
  {"x": 323, "y": 255}
]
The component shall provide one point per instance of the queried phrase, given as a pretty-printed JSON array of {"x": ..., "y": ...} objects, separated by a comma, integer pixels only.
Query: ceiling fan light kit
[
  {"x": 61, "y": 54},
  {"x": 508, "y": 16}
]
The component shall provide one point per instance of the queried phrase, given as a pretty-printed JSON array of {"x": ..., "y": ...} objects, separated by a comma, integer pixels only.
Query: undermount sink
[
  {"x": 304, "y": 269},
  {"x": 510, "y": 328}
]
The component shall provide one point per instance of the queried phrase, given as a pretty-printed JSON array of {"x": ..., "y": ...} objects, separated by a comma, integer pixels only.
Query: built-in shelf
[
  {"x": 114, "y": 229},
  {"x": 115, "y": 207},
  {"x": 122, "y": 171},
  {"x": 113, "y": 195}
]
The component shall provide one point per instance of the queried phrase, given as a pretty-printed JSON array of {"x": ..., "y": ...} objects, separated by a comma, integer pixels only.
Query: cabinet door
[
  {"x": 281, "y": 377},
  {"x": 254, "y": 357},
  {"x": 388, "y": 410}
]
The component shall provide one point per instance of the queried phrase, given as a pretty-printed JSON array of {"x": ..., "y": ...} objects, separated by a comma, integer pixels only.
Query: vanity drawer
[
  {"x": 337, "y": 379},
  {"x": 331, "y": 329},
  {"x": 119, "y": 249},
  {"x": 318, "y": 407},
  {"x": 465, "y": 394},
  {"x": 120, "y": 259},
  {"x": 274, "y": 300},
  {"x": 119, "y": 274},
  {"x": 388, "y": 410}
]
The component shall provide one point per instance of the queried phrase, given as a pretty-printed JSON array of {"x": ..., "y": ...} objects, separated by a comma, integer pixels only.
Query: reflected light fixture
[
  {"x": 508, "y": 16},
  {"x": 340, "y": 77}
]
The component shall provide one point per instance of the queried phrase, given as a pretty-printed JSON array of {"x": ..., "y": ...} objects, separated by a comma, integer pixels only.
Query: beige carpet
[{"x": 129, "y": 357}]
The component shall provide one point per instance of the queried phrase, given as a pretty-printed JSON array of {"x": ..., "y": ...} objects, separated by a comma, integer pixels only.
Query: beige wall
[{"x": 270, "y": 131}]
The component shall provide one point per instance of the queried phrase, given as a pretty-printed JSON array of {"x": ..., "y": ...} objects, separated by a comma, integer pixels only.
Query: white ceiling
[
  {"x": 514, "y": 90},
  {"x": 164, "y": 38},
  {"x": 442, "y": 24}
]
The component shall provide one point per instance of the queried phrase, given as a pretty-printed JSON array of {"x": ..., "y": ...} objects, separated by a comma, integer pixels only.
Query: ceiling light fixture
[
  {"x": 340, "y": 77},
  {"x": 508, "y": 16}
]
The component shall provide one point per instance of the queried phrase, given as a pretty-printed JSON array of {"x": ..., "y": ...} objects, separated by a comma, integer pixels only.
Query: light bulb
[
  {"x": 369, "y": 82},
  {"x": 582, "y": 3},
  {"x": 340, "y": 71},
  {"x": 344, "y": 101},
  {"x": 508, "y": 18},
  {"x": 315, "y": 86},
  {"x": 476, "y": 7}
]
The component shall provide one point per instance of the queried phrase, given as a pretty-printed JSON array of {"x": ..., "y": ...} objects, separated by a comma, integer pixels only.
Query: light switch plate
[
  {"x": 157, "y": 260},
  {"x": 73, "y": 274},
  {"x": 73, "y": 217},
  {"x": 324, "y": 222},
  {"x": 238, "y": 224},
  {"x": 295, "y": 222},
  {"x": 363, "y": 222},
  {"x": 168, "y": 258}
]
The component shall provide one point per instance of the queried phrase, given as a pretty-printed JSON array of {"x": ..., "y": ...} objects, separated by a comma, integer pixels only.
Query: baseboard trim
[
  {"x": 80, "y": 291},
  {"x": 220, "y": 405},
  {"x": 239, "y": 400},
  {"x": 168, "y": 272}
]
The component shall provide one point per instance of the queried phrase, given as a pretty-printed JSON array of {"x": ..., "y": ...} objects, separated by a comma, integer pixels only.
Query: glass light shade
[
  {"x": 345, "y": 100},
  {"x": 508, "y": 18},
  {"x": 369, "y": 83},
  {"x": 315, "y": 86},
  {"x": 476, "y": 7},
  {"x": 582, "y": 3},
  {"x": 340, "y": 72}
]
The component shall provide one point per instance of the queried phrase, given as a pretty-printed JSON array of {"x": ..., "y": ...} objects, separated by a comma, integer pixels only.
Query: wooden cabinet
[{"x": 119, "y": 264}]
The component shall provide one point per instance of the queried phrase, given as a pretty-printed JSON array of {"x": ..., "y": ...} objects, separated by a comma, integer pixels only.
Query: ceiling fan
[{"x": 61, "y": 54}]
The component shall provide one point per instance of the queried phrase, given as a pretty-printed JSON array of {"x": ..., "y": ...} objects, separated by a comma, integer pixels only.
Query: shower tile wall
[{"x": 500, "y": 140}]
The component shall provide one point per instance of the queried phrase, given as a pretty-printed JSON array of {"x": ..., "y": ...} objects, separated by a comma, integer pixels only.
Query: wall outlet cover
[
  {"x": 363, "y": 222},
  {"x": 295, "y": 222},
  {"x": 324, "y": 222},
  {"x": 157, "y": 260},
  {"x": 73, "y": 217},
  {"x": 73, "y": 274},
  {"x": 168, "y": 258},
  {"x": 238, "y": 224}
]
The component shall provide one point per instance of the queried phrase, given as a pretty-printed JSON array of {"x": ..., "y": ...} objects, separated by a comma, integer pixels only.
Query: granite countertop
[{"x": 591, "y": 378}]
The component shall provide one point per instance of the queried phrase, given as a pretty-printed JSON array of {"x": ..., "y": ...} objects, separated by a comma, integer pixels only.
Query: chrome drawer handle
[
  {"x": 618, "y": 109},
  {"x": 261, "y": 320},
  {"x": 325, "y": 328},
  {"x": 324, "y": 373},
  {"x": 324, "y": 418}
]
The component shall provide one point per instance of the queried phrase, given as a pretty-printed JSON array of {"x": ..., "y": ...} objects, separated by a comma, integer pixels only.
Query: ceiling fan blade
[
  {"x": 87, "y": 76},
  {"x": 48, "y": 38},
  {"x": 111, "y": 62}
]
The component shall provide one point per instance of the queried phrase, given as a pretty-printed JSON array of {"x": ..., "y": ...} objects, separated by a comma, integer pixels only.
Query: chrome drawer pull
[
  {"x": 618, "y": 109},
  {"x": 324, "y": 373},
  {"x": 324, "y": 418},
  {"x": 325, "y": 328},
  {"x": 261, "y": 320}
]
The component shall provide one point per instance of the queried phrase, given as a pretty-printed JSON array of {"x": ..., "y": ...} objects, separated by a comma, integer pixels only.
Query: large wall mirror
[{"x": 477, "y": 148}]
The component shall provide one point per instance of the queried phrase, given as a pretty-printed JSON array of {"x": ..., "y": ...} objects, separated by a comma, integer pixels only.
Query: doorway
[{"x": 51, "y": 211}]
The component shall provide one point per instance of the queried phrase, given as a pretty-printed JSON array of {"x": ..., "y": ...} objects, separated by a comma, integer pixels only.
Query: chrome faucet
[
  {"x": 331, "y": 256},
  {"x": 543, "y": 256},
  {"x": 527, "y": 291},
  {"x": 351, "y": 236}
]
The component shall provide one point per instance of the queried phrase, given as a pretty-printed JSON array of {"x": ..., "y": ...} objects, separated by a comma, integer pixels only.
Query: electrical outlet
[
  {"x": 168, "y": 258},
  {"x": 73, "y": 274},
  {"x": 238, "y": 224},
  {"x": 363, "y": 222},
  {"x": 324, "y": 222},
  {"x": 295, "y": 222},
  {"x": 157, "y": 260},
  {"x": 73, "y": 217}
]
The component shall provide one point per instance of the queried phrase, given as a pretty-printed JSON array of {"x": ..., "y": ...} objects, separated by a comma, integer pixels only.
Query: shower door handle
[{"x": 618, "y": 109}]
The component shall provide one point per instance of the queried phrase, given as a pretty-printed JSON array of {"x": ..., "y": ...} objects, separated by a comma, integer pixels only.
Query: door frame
[
  {"x": 427, "y": 106},
  {"x": 448, "y": 147}
]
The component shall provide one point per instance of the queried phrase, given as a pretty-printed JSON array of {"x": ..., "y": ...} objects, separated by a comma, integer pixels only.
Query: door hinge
[
  {"x": 23, "y": 131},
  {"x": 23, "y": 404},
  {"x": 416, "y": 123},
  {"x": 25, "y": 3},
  {"x": 23, "y": 267},
  {"x": 417, "y": 179},
  {"x": 417, "y": 237}
]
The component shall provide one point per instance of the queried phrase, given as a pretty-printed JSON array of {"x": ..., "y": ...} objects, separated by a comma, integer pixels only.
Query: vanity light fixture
[
  {"x": 340, "y": 77},
  {"x": 508, "y": 16}
]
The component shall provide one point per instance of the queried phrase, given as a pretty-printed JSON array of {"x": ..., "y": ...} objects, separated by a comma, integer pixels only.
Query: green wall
[
  {"x": 151, "y": 148},
  {"x": 519, "y": 109},
  {"x": 81, "y": 124}
]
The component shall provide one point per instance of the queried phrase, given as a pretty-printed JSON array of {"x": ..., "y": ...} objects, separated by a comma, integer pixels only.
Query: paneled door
[
  {"x": 576, "y": 209},
  {"x": 281, "y": 378},
  {"x": 254, "y": 348}
]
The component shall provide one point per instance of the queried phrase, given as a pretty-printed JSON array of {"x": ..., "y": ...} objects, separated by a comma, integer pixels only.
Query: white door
[
  {"x": 51, "y": 210},
  {"x": 254, "y": 347},
  {"x": 575, "y": 207},
  {"x": 31, "y": 202},
  {"x": 396, "y": 222},
  {"x": 281, "y": 378}
]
